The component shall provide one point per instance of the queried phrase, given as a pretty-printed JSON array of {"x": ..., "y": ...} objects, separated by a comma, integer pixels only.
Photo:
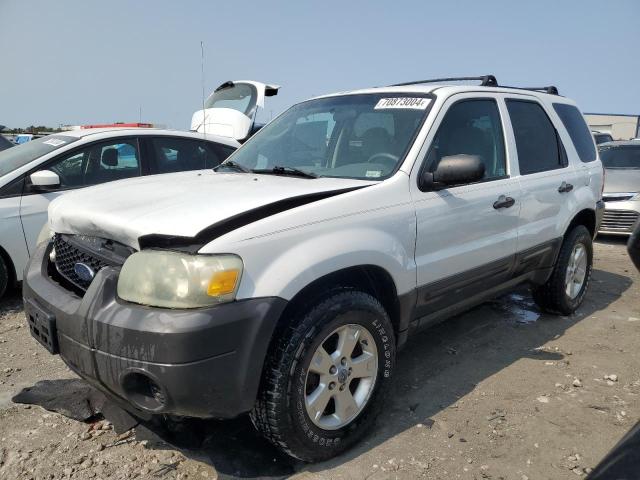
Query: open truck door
[{"x": 231, "y": 109}]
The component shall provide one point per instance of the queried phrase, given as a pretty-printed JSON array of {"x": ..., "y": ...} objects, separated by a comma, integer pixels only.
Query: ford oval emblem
[{"x": 84, "y": 272}]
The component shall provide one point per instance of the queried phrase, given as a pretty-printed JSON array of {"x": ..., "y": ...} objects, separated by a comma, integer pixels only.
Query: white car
[
  {"x": 347, "y": 224},
  {"x": 232, "y": 108},
  {"x": 33, "y": 174}
]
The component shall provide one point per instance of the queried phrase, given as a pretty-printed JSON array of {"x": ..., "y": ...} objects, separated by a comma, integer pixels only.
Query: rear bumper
[{"x": 199, "y": 363}]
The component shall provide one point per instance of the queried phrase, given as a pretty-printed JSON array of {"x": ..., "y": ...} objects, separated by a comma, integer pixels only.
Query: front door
[
  {"x": 466, "y": 234},
  {"x": 89, "y": 165}
]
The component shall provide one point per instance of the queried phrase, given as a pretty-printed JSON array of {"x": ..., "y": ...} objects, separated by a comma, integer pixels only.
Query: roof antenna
[{"x": 202, "y": 79}]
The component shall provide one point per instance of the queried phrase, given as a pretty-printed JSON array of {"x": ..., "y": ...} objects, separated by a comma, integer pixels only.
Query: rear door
[
  {"x": 547, "y": 179},
  {"x": 466, "y": 234},
  {"x": 90, "y": 164},
  {"x": 230, "y": 111}
]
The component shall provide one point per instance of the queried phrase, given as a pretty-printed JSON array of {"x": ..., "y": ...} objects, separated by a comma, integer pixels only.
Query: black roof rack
[
  {"x": 551, "y": 90},
  {"x": 485, "y": 81}
]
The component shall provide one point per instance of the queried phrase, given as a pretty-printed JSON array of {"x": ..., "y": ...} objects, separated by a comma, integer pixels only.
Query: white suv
[{"x": 283, "y": 282}]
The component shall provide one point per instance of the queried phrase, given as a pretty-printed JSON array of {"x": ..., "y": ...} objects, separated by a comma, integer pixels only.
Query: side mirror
[
  {"x": 44, "y": 180},
  {"x": 453, "y": 170}
]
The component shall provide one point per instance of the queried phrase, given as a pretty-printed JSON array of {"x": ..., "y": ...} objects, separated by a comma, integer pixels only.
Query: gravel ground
[{"x": 499, "y": 392}]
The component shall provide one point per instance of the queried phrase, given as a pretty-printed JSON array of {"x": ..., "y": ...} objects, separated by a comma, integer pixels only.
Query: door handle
[
  {"x": 503, "y": 202},
  {"x": 565, "y": 187}
]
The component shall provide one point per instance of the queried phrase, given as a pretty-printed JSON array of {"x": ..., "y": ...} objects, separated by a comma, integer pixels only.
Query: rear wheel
[
  {"x": 565, "y": 290},
  {"x": 325, "y": 379}
]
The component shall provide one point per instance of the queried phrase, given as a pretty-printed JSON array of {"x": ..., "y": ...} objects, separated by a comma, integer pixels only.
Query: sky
[{"x": 85, "y": 61}]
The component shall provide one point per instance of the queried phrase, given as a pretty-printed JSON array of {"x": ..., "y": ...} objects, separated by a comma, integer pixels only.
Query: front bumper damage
[{"x": 197, "y": 363}]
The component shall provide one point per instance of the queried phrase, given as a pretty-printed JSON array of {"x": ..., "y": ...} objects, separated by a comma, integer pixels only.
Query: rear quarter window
[{"x": 580, "y": 135}]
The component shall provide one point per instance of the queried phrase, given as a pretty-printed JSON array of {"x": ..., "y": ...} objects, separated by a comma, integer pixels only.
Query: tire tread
[{"x": 268, "y": 410}]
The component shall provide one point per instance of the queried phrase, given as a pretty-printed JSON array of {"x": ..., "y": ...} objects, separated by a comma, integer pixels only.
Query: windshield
[
  {"x": 237, "y": 96},
  {"x": 20, "y": 155},
  {"x": 351, "y": 136},
  {"x": 621, "y": 157}
]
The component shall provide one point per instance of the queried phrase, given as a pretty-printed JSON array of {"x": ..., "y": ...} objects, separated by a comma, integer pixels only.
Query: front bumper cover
[{"x": 206, "y": 362}]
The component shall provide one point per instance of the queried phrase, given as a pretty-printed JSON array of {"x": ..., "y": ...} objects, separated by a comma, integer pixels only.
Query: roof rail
[
  {"x": 551, "y": 90},
  {"x": 485, "y": 81}
]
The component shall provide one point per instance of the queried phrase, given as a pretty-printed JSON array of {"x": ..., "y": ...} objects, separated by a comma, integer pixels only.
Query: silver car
[{"x": 621, "y": 161}]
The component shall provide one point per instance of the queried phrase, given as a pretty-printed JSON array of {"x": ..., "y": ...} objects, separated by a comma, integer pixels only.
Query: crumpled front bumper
[{"x": 200, "y": 363}]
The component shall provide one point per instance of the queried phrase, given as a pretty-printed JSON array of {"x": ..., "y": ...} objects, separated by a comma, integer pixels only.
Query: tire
[
  {"x": 4, "y": 277},
  {"x": 554, "y": 296},
  {"x": 281, "y": 411}
]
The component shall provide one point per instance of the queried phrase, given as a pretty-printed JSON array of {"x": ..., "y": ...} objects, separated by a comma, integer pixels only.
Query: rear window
[
  {"x": 578, "y": 131},
  {"x": 237, "y": 96},
  {"x": 20, "y": 155}
]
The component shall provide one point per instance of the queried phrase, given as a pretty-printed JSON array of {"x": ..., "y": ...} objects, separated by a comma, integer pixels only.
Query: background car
[
  {"x": 33, "y": 174},
  {"x": 232, "y": 108},
  {"x": 621, "y": 161},
  {"x": 601, "y": 137},
  {"x": 22, "y": 138}
]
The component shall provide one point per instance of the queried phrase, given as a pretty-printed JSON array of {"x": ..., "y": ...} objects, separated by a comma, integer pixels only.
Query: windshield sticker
[
  {"x": 54, "y": 142},
  {"x": 415, "y": 103},
  {"x": 373, "y": 173}
]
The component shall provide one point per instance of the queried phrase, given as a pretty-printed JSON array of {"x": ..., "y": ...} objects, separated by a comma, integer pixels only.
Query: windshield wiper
[
  {"x": 278, "y": 170},
  {"x": 234, "y": 165}
]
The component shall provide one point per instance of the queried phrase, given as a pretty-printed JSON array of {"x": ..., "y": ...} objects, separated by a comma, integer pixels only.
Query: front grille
[
  {"x": 619, "y": 221},
  {"x": 91, "y": 253},
  {"x": 617, "y": 197}
]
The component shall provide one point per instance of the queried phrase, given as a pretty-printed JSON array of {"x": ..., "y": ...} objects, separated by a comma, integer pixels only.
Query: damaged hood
[{"x": 179, "y": 204}]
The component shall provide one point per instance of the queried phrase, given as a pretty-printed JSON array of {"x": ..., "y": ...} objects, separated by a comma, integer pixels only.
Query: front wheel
[
  {"x": 565, "y": 290},
  {"x": 325, "y": 379}
]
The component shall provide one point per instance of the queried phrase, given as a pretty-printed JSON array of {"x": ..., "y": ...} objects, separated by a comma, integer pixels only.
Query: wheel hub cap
[
  {"x": 576, "y": 271},
  {"x": 341, "y": 377}
]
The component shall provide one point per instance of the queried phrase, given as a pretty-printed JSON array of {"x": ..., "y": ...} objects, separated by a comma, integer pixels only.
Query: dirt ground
[{"x": 499, "y": 392}]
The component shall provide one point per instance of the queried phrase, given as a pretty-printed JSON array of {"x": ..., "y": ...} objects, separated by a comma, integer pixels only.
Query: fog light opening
[{"x": 144, "y": 392}]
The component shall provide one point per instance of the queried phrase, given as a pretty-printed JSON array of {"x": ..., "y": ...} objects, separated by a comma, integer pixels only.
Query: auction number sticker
[
  {"x": 54, "y": 142},
  {"x": 415, "y": 103}
]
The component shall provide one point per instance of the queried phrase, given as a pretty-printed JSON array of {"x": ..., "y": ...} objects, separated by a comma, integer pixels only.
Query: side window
[
  {"x": 471, "y": 127},
  {"x": 215, "y": 153},
  {"x": 71, "y": 170},
  {"x": 178, "y": 154},
  {"x": 98, "y": 163},
  {"x": 580, "y": 134},
  {"x": 537, "y": 141}
]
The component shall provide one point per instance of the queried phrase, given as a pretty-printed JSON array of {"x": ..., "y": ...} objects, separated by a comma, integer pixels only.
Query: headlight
[
  {"x": 179, "y": 280},
  {"x": 45, "y": 234}
]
